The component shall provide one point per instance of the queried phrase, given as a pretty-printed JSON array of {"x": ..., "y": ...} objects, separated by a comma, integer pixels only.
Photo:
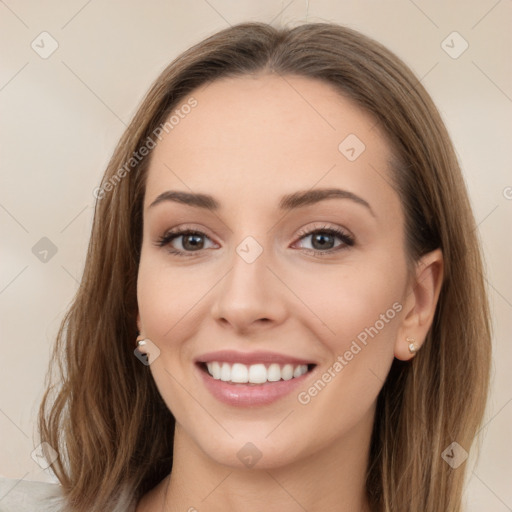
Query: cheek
[
  {"x": 366, "y": 319},
  {"x": 167, "y": 297},
  {"x": 363, "y": 314},
  {"x": 352, "y": 301}
]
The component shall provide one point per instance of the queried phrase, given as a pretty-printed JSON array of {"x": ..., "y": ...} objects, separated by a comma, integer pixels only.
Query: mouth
[
  {"x": 245, "y": 380},
  {"x": 254, "y": 374}
]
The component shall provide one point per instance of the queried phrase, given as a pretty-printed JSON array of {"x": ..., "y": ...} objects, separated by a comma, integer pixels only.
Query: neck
[{"x": 333, "y": 478}]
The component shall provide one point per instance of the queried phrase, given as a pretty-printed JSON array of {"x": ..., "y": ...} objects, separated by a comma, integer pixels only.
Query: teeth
[
  {"x": 225, "y": 372},
  {"x": 257, "y": 373},
  {"x": 274, "y": 373},
  {"x": 239, "y": 373},
  {"x": 287, "y": 372},
  {"x": 215, "y": 369},
  {"x": 254, "y": 373}
]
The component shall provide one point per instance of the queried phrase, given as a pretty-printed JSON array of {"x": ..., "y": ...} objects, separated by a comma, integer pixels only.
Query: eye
[
  {"x": 191, "y": 241},
  {"x": 323, "y": 238}
]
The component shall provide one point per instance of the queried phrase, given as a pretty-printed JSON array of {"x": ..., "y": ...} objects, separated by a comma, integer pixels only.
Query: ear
[{"x": 420, "y": 303}]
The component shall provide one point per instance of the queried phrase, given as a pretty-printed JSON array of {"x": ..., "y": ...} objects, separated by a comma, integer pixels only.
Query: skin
[{"x": 249, "y": 141}]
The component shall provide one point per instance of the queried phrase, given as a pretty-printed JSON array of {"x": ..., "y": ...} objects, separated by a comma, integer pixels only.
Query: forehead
[{"x": 252, "y": 139}]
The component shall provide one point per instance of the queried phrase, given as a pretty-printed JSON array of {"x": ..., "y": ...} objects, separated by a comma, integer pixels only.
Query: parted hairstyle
[{"x": 102, "y": 411}]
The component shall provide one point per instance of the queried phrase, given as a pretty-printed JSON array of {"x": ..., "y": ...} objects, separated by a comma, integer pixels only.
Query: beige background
[{"x": 62, "y": 115}]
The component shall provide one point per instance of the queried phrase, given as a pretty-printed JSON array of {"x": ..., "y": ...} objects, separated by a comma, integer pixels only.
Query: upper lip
[{"x": 232, "y": 356}]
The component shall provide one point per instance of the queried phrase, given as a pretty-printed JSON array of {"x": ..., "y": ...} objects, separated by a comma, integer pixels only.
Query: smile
[{"x": 252, "y": 379}]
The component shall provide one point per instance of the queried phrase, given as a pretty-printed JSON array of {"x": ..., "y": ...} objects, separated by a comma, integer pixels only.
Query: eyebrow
[{"x": 287, "y": 202}]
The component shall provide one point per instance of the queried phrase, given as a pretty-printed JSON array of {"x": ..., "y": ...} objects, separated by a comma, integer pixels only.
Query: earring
[
  {"x": 412, "y": 345},
  {"x": 141, "y": 343}
]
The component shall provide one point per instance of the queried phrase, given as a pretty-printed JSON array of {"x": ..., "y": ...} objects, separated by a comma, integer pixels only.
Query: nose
[{"x": 250, "y": 296}]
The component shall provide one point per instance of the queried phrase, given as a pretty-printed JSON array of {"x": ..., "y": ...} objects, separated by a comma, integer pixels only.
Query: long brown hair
[{"x": 105, "y": 416}]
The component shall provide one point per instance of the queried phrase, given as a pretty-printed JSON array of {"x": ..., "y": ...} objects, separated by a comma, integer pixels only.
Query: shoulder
[{"x": 18, "y": 495}]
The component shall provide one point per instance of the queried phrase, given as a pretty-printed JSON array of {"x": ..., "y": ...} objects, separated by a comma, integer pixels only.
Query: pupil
[
  {"x": 320, "y": 238},
  {"x": 195, "y": 243}
]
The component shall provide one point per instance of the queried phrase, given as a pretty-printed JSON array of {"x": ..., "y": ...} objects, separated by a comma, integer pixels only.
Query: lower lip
[{"x": 246, "y": 395}]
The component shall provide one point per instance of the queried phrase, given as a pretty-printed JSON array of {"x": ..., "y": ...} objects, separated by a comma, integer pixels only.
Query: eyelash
[{"x": 348, "y": 240}]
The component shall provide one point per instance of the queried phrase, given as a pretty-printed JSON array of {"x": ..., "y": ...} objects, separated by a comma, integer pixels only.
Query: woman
[{"x": 283, "y": 296}]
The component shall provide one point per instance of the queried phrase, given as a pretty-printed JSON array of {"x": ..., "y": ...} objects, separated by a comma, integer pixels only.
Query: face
[{"x": 271, "y": 280}]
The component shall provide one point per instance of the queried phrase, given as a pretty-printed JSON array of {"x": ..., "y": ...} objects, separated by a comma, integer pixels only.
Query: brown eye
[
  {"x": 191, "y": 241},
  {"x": 323, "y": 240}
]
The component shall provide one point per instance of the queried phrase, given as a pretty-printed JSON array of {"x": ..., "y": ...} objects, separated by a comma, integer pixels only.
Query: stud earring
[
  {"x": 141, "y": 342},
  {"x": 412, "y": 345}
]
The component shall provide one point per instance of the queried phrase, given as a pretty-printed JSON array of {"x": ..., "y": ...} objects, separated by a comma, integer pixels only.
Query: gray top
[{"x": 26, "y": 496}]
